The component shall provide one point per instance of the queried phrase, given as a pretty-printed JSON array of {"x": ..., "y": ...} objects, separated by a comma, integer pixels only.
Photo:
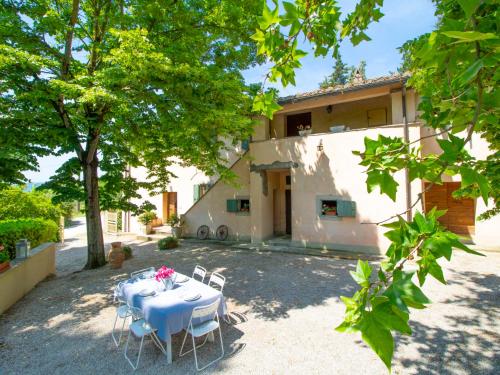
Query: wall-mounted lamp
[
  {"x": 320, "y": 145},
  {"x": 329, "y": 108}
]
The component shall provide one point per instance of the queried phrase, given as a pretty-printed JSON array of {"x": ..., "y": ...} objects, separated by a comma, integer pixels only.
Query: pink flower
[{"x": 164, "y": 273}]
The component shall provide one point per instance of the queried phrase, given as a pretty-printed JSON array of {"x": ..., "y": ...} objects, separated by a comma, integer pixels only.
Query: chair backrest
[
  {"x": 150, "y": 270},
  {"x": 217, "y": 281},
  {"x": 206, "y": 311},
  {"x": 199, "y": 271},
  {"x": 117, "y": 293},
  {"x": 136, "y": 313}
]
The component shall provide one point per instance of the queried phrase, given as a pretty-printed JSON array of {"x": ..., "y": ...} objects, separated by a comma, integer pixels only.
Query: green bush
[
  {"x": 4, "y": 255},
  {"x": 127, "y": 250},
  {"x": 147, "y": 218},
  {"x": 167, "y": 243},
  {"x": 17, "y": 204},
  {"x": 37, "y": 231}
]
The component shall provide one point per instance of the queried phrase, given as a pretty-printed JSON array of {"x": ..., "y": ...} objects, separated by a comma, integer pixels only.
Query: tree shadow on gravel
[
  {"x": 469, "y": 344},
  {"x": 271, "y": 284}
]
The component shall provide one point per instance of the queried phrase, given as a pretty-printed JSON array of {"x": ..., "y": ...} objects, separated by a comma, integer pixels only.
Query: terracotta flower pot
[
  {"x": 4, "y": 266},
  {"x": 116, "y": 255}
]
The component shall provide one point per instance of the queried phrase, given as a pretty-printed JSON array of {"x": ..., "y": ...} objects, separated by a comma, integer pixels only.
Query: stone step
[{"x": 339, "y": 254}]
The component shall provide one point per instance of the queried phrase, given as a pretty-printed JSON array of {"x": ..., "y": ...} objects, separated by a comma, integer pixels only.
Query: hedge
[
  {"x": 17, "y": 204},
  {"x": 37, "y": 231}
]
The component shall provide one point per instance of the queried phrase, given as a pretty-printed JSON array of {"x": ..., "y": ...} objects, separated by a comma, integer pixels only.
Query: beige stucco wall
[
  {"x": 183, "y": 180},
  {"x": 336, "y": 173},
  {"x": 211, "y": 210},
  {"x": 183, "y": 183},
  {"x": 261, "y": 129},
  {"x": 25, "y": 274}
]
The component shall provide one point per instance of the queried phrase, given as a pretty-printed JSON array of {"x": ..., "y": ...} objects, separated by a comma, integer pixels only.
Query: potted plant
[
  {"x": 167, "y": 243},
  {"x": 175, "y": 223},
  {"x": 146, "y": 219},
  {"x": 127, "y": 251},
  {"x": 304, "y": 130},
  {"x": 4, "y": 259},
  {"x": 329, "y": 210}
]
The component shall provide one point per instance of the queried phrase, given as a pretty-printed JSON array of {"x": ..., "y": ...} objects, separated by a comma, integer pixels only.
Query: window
[
  {"x": 288, "y": 180},
  {"x": 240, "y": 205},
  {"x": 200, "y": 190},
  {"x": 331, "y": 207},
  {"x": 244, "y": 205}
]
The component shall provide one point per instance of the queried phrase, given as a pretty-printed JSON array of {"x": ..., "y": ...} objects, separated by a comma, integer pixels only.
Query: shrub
[
  {"x": 37, "y": 231},
  {"x": 4, "y": 255},
  {"x": 167, "y": 243},
  {"x": 147, "y": 217},
  {"x": 127, "y": 250},
  {"x": 174, "y": 220},
  {"x": 17, "y": 204}
]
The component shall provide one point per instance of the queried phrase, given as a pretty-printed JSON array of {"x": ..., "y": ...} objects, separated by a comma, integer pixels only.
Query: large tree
[
  {"x": 123, "y": 83},
  {"x": 454, "y": 69},
  {"x": 339, "y": 75}
]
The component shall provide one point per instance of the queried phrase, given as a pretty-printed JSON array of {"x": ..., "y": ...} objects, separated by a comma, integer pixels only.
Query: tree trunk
[{"x": 95, "y": 241}]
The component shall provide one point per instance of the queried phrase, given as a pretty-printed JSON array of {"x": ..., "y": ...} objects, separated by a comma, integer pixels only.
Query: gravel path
[{"x": 284, "y": 308}]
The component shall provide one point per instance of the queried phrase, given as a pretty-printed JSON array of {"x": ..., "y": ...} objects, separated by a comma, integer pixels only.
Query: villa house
[{"x": 311, "y": 189}]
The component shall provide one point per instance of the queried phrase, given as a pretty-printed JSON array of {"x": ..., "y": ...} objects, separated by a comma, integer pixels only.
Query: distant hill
[{"x": 30, "y": 186}]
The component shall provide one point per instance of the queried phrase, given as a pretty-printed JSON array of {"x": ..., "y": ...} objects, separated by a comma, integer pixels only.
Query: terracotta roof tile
[{"x": 339, "y": 89}]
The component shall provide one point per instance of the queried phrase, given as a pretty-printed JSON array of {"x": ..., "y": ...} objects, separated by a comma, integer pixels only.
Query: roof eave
[{"x": 294, "y": 99}]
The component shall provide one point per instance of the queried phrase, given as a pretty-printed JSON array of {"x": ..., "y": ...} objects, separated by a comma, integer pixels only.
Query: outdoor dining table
[{"x": 167, "y": 310}]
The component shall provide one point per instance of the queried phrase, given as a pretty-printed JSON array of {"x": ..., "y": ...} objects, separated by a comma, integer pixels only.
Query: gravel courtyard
[{"x": 283, "y": 310}]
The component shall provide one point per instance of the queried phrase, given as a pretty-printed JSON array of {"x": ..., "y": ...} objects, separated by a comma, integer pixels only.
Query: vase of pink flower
[{"x": 166, "y": 276}]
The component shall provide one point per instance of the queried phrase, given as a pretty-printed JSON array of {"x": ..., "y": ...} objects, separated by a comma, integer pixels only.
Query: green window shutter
[
  {"x": 346, "y": 208},
  {"x": 232, "y": 205},
  {"x": 196, "y": 193}
]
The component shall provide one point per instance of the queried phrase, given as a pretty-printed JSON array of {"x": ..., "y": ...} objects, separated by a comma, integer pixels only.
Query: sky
[{"x": 402, "y": 21}]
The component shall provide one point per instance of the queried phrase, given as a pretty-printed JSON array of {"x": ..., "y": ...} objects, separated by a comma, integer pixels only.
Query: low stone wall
[{"x": 25, "y": 274}]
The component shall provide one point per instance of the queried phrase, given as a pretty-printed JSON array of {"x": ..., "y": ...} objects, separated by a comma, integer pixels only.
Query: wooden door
[
  {"x": 288, "y": 211},
  {"x": 460, "y": 215},
  {"x": 169, "y": 204}
]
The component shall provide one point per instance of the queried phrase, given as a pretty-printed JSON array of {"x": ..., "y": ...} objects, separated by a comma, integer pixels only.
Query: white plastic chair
[
  {"x": 203, "y": 329},
  {"x": 122, "y": 311},
  {"x": 199, "y": 271},
  {"x": 140, "y": 329},
  {"x": 217, "y": 281},
  {"x": 149, "y": 270}
]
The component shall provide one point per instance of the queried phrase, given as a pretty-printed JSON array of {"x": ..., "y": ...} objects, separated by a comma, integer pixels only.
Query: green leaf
[
  {"x": 470, "y": 73},
  {"x": 404, "y": 293},
  {"x": 437, "y": 272},
  {"x": 385, "y": 314},
  {"x": 268, "y": 17},
  {"x": 469, "y": 36},
  {"x": 362, "y": 274},
  {"x": 471, "y": 177},
  {"x": 384, "y": 180},
  {"x": 439, "y": 246},
  {"x": 469, "y": 6},
  {"x": 378, "y": 338}
]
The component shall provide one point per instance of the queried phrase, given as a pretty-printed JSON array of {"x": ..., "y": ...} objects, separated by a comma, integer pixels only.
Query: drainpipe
[{"x": 409, "y": 215}]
